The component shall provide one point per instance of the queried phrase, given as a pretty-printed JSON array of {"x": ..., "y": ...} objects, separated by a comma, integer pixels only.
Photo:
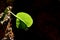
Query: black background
[
  {"x": 45, "y": 14},
  {"x": 46, "y": 17}
]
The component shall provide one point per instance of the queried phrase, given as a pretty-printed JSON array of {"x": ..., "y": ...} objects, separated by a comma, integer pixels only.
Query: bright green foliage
[
  {"x": 17, "y": 22},
  {"x": 23, "y": 20}
]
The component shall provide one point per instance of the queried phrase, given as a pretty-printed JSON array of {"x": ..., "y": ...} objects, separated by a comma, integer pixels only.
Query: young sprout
[{"x": 23, "y": 21}]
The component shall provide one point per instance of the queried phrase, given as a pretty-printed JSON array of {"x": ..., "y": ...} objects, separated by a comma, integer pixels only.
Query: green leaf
[
  {"x": 23, "y": 20},
  {"x": 17, "y": 22}
]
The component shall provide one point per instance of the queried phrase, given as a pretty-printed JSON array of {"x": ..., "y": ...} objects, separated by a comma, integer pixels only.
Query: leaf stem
[{"x": 14, "y": 14}]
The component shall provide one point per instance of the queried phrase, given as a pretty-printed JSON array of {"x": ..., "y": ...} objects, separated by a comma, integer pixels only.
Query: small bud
[
  {"x": 10, "y": 7},
  {"x": 2, "y": 22},
  {"x": 8, "y": 17}
]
